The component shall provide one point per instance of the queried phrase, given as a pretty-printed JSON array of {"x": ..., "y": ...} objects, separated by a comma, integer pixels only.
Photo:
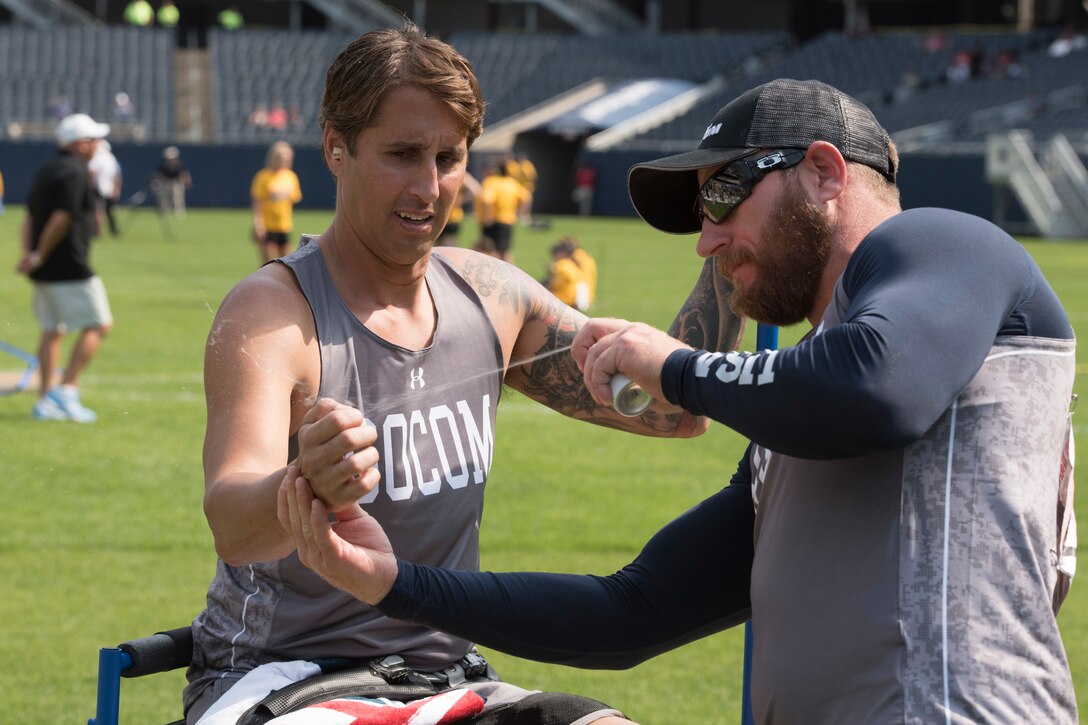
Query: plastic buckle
[
  {"x": 392, "y": 669},
  {"x": 455, "y": 675},
  {"x": 475, "y": 665}
]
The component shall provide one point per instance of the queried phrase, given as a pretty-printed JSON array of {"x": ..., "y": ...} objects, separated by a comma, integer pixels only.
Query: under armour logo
[{"x": 417, "y": 377}]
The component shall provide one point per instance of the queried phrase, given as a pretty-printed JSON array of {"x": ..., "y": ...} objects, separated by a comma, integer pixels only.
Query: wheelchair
[{"x": 388, "y": 677}]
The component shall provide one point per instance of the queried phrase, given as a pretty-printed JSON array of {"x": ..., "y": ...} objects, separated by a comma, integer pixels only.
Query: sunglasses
[{"x": 723, "y": 191}]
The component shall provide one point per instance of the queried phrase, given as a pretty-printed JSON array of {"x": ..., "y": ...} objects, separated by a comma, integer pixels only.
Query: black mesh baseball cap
[{"x": 781, "y": 114}]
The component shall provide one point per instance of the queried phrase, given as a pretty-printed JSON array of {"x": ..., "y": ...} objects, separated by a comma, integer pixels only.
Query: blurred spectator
[
  {"x": 230, "y": 18},
  {"x": 56, "y": 242},
  {"x": 123, "y": 109},
  {"x": 139, "y": 13},
  {"x": 106, "y": 177},
  {"x": 961, "y": 68},
  {"x": 60, "y": 107},
  {"x": 168, "y": 14},
  {"x": 258, "y": 117},
  {"x": 503, "y": 202},
  {"x": 585, "y": 182},
  {"x": 277, "y": 117},
  {"x": 274, "y": 192},
  {"x": 935, "y": 42},
  {"x": 1006, "y": 65},
  {"x": 522, "y": 170},
  {"x": 1068, "y": 41},
  {"x": 294, "y": 117},
  {"x": 908, "y": 85},
  {"x": 572, "y": 276},
  {"x": 478, "y": 201},
  {"x": 169, "y": 183},
  {"x": 450, "y": 235}
]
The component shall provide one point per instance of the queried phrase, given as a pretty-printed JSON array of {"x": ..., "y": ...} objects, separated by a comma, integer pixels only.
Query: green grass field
[{"x": 102, "y": 537}]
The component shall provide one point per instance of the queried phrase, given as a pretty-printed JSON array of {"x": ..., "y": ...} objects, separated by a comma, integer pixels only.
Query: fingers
[
  {"x": 588, "y": 336},
  {"x": 320, "y": 409},
  {"x": 283, "y": 504},
  {"x": 307, "y": 519},
  {"x": 336, "y": 453},
  {"x": 295, "y": 497},
  {"x": 345, "y": 495},
  {"x": 592, "y": 351},
  {"x": 635, "y": 349}
]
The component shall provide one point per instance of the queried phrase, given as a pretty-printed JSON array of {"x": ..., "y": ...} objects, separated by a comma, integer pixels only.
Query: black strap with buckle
[{"x": 389, "y": 677}]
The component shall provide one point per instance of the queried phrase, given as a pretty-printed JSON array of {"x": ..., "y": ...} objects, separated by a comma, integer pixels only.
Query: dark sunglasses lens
[{"x": 720, "y": 197}]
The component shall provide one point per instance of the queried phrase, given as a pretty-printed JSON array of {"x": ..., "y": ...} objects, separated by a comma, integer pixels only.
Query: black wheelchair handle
[{"x": 160, "y": 652}]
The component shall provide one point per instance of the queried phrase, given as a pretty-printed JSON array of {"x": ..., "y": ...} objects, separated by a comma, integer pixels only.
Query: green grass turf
[{"x": 102, "y": 537}]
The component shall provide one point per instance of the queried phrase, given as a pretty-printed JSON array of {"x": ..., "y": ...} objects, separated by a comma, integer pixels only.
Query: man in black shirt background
[{"x": 68, "y": 295}]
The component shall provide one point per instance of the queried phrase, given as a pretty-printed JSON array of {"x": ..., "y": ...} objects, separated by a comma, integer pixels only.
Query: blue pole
[
  {"x": 111, "y": 662},
  {"x": 746, "y": 696},
  {"x": 766, "y": 339}
]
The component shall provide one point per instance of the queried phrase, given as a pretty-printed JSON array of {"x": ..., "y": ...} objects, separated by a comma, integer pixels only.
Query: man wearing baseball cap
[
  {"x": 894, "y": 529},
  {"x": 68, "y": 295}
]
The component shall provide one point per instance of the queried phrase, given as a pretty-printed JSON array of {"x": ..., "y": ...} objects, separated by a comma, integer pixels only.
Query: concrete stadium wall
[{"x": 222, "y": 175}]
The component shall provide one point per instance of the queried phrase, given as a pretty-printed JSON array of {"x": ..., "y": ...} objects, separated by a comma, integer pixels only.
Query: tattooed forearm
[
  {"x": 551, "y": 375},
  {"x": 706, "y": 321},
  {"x": 555, "y": 380}
]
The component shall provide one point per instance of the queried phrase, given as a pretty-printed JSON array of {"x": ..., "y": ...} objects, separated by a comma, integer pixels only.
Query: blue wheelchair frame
[{"x": 161, "y": 652}]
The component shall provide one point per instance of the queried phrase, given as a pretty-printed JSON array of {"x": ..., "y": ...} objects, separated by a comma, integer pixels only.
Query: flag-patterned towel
[{"x": 448, "y": 707}]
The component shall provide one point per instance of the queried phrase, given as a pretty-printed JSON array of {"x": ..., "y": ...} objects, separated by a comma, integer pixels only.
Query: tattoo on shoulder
[{"x": 491, "y": 278}]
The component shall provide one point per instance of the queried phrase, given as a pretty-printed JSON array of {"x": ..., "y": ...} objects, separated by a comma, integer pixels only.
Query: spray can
[{"x": 628, "y": 398}]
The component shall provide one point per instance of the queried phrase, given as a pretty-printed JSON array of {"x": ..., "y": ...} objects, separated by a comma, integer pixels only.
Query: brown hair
[
  {"x": 378, "y": 61},
  {"x": 274, "y": 151}
]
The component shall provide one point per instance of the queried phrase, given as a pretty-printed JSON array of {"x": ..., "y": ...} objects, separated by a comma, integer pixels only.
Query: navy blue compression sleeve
[
  {"x": 920, "y": 304},
  {"x": 692, "y": 579}
]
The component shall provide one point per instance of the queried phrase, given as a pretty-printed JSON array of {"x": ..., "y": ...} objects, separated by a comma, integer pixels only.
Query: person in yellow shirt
[
  {"x": 503, "y": 202},
  {"x": 588, "y": 265},
  {"x": 572, "y": 281},
  {"x": 274, "y": 192},
  {"x": 523, "y": 171},
  {"x": 469, "y": 191}
]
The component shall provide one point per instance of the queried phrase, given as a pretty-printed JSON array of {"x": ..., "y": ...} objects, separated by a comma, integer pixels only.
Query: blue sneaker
[
  {"x": 47, "y": 409},
  {"x": 67, "y": 399}
]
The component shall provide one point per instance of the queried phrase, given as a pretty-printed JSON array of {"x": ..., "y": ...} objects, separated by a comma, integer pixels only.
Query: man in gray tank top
[{"x": 375, "y": 366}]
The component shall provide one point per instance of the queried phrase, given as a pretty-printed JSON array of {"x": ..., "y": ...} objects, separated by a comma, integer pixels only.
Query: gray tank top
[{"x": 434, "y": 410}]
